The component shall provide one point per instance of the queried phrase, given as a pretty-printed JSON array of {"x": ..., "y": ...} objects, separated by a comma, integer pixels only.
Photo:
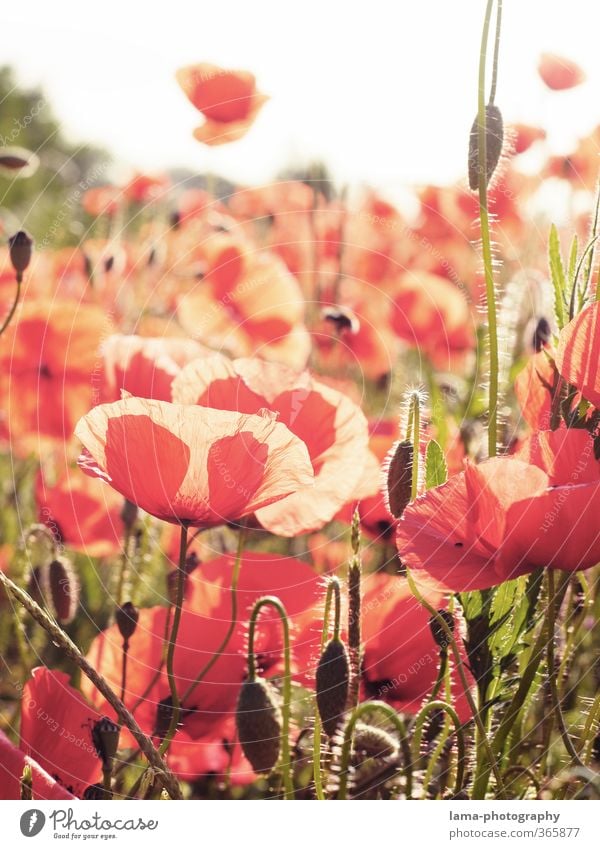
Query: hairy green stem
[
  {"x": 460, "y": 738},
  {"x": 286, "y": 761}
]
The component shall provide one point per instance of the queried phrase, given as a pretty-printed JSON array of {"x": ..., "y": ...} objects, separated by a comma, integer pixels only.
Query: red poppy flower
[
  {"x": 578, "y": 353},
  {"x": 332, "y": 427},
  {"x": 535, "y": 386},
  {"x": 524, "y": 136},
  {"x": 247, "y": 303},
  {"x": 56, "y": 730},
  {"x": 192, "y": 464},
  {"x": 143, "y": 188},
  {"x": 559, "y": 73},
  {"x": 431, "y": 314},
  {"x": 101, "y": 200},
  {"x": 144, "y": 367},
  {"x": 508, "y": 516},
  {"x": 12, "y": 764},
  {"x": 401, "y": 658},
  {"x": 228, "y": 100},
  {"x": 47, "y": 361},
  {"x": 82, "y": 513},
  {"x": 208, "y": 728}
]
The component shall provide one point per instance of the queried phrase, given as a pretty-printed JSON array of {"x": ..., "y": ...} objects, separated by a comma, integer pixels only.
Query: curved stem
[
  {"x": 357, "y": 713},
  {"x": 463, "y": 677},
  {"x": 333, "y": 591},
  {"x": 286, "y": 761},
  {"x": 13, "y": 308},
  {"x": 235, "y": 575},
  {"x": 175, "y": 701},
  {"x": 518, "y": 769},
  {"x": 486, "y": 244},
  {"x": 123, "y": 714},
  {"x": 460, "y": 738}
]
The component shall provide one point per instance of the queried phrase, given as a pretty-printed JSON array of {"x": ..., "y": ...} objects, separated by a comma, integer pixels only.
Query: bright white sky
[{"x": 384, "y": 92}]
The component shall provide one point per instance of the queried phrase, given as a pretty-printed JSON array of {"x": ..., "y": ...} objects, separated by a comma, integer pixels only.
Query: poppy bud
[
  {"x": 164, "y": 714},
  {"x": 541, "y": 334},
  {"x": 494, "y": 138},
  {"x": 127, "y": 618},
  {"x": 398, "y": 472},
  {"x": 17, "y": 162},
  {"x": 63, "y": 590},
  {"x": 333, "y": 677},
  {"x": 373, "y": 742},
  {"x": 258, "y": 720},
  {"x": 105, "y": 737},
  {"x": 129, "y": 513},
  {"x": 437, "y": 631},
  {"x": 20, "y": 246}
]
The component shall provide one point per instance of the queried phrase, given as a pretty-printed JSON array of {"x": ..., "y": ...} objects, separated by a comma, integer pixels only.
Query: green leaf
[
  {"x": 557, "y": 273},
  {"x": 436, "y": 471}
]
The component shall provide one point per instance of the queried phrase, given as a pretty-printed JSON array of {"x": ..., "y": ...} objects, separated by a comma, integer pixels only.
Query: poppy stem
[
  {"x": 486, "y": 244},
  {"x": 392, "y": 716},
  {"x": 460, "y": 668},
  {"x": 13, "y": 308},
  {"x": 175, "y": 701},
  {"x": 286, "y": 761},
  {"x": 333, "y": 592},
  {"x": 550, "y": 662},
  {"x": 235, "y": 576},
  {"x": 460, "y": 738},
  {"x": 414, "y": 435},
  {"x": 124, "y": 654},
  {"x": 124, "y": 716}
]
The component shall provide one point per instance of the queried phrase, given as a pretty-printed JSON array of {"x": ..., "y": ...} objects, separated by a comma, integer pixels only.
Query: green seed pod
[
  {"x": 258, "y": 719},
  {"x": 398, "y": 477},
  {"x": 373, "y": 742},
  {"x": 333, "y": 677},
  {"x": 126, "y": 618},
  {"x": 20, "y": 246},
  {"x": 494, "y": 139},
  {"x": 63, "y": 590}
]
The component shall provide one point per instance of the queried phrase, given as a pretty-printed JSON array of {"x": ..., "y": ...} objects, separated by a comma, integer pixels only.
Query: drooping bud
[
  {"x": 373, "y": 742},
  {"x": 63, "y": 590},
  {"x": 332, "y": 679},
  {"x": 17, "y": 162},
  {"x": 20, "y": 246},
  {"x": 398, "y": 477},
  {"x": 126, "y": 618},
  {"x": 258, "y": 720},
  {"x": 105, "y": 737},
  {"x": 494, "y": 139},
  {"x": 437, "y": 631}
]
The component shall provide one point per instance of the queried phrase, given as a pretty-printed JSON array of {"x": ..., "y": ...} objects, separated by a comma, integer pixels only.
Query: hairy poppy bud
[
  {"x": 398, "y": 477},
  {"x": 129, "y": 513},
  {"x": 63, "y": 590},
  {"x": 20, "y": 246},
  {"x": 105, "y": 737},
  {"x": 541, "y": 334},
  {"x": 437, "y": 631},
  {"x": 333, "y": 676},
  {"x": 17, "y": 162},
  {"x": 373, "y": 742},
  {"x": 127, "y": 618},
  {"x": 258, "y": 719},
  {"x": 494, "y": 138}
]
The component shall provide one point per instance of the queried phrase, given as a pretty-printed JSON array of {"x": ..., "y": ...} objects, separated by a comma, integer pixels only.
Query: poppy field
[{"x": 300, "y": 486}]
